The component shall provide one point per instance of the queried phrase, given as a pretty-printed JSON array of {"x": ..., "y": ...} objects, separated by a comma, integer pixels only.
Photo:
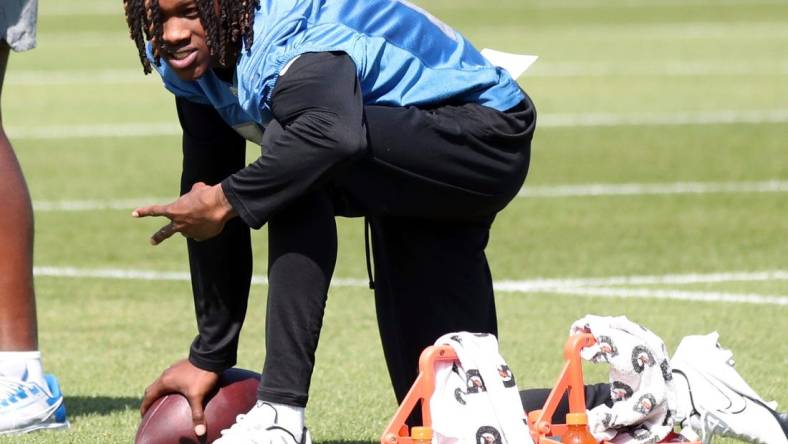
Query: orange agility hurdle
[
  {"x": 397, "y": 431},
  {"x": 539, "y": 421}
]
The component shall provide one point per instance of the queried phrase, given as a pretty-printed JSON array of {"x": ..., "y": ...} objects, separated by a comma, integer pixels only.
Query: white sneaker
[
  {"x": 27, "y": 406},
  {"x": 711, "y": 398},
  {"x": 261, "y": 426}
]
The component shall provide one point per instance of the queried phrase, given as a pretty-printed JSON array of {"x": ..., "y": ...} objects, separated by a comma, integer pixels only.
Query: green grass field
[{"x": 661, "y": 156}]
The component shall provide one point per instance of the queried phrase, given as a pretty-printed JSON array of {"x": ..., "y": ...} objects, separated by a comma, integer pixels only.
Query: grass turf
[{"x": 107, "y": 339}]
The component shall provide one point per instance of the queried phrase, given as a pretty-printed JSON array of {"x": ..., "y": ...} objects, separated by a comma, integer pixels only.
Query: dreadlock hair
[{"x": 226, "y": 32}]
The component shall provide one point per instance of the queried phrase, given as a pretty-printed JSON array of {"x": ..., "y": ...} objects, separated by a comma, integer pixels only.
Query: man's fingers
[
  {"x": 152, "y": 210},
  {"x": 164, "y": 233},
  {"x": 152, "y": 393},
  {"x": 198, "y": 415}
]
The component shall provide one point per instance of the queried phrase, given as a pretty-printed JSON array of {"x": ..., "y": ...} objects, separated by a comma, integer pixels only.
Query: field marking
[
  {"x": 643, "y": 189},
  {"x": 592, "y": 287},
  {"x": 626, "y": 33},
  {"x": 109, "y": 130},
  {"x": 639, "y": 293},
  {"x": 558, "y": 191},
  {"x": 544, "y": 69},
  {"x": 661, "y": 118},
  {"x": 546, "y": 284},
  {"x": 97, "y": 205},
  {"x": 79, "y": 77},
  {"x": 574, "y": 120},
  {"x": 672, "y": 68}
]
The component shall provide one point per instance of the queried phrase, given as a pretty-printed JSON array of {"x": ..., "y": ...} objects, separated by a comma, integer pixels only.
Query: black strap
[{"x": 367, "y": 224}]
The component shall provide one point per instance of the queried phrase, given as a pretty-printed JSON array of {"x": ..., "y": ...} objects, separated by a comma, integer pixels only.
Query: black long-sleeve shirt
[{"x": 318, "y": 106}]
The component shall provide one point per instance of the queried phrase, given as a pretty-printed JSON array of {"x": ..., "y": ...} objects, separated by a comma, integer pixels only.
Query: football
[{"x": 169, "y": 419}]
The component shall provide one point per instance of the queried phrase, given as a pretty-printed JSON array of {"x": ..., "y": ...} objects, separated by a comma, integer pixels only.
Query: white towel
[{"x": 476, "y": 399}]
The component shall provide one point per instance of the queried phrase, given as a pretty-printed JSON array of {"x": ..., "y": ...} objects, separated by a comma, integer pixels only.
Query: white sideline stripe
[
  {"x": 90, "y": 131},
  {"x": 640, "y": 189},
  {"x": 631, "y": 189},
  {"x": 639, "y": 293},
  {"x": 79, "y": 77},
  {"x": 675, "y": 118},
  {"x": 664, "y": 68},
  {"x": 542, "y": 69},
  {"x": 150, "y": 275},
  {"x": 580, "y": 287},
  {"x": 95, "y": 205},
  {"x": 541, "y": 284},
  {"x": 545, "y": 121}
]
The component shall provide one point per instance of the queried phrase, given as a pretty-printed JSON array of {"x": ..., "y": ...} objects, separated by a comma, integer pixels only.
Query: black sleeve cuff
[
  {"x": 238, "y": 205},
  {"x": 210, "y": 363}
]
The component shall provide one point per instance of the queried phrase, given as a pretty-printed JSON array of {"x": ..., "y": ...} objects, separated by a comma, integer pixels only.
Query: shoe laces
[
  {"x": 9, "y": 387},
  {"x": 251, "y": 424}
]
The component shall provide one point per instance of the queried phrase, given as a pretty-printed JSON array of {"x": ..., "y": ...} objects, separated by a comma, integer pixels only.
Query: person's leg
[
  {"x": 39, "y": 403},
  {"x": 431, "y": 184},
  {"x": 431, "y": 278},
  {"x": 302, "y": 249},
  {"x": 18, "y": 330}
]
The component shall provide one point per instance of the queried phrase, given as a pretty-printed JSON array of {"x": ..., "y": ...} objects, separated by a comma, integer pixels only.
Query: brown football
[{"x": 169, "y": 419}]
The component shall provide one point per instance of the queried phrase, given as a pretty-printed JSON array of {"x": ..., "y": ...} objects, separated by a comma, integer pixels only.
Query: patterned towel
[
  {"x": 640, "y": 377},
  {"x": 476, "y": 399}
]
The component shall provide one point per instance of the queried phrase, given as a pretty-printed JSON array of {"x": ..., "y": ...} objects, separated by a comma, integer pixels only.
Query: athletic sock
[{"x": 24, "y": 366}]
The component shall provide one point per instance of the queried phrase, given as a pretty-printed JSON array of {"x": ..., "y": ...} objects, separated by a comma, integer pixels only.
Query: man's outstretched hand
[
  {"x": 199, "y": 214},
  {"x": 193, "y": 383}
]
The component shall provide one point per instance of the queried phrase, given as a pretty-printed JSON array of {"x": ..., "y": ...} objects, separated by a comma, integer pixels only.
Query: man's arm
[
  {"x": 318, "y": 111},
  {"x": 221, "y": 267}
]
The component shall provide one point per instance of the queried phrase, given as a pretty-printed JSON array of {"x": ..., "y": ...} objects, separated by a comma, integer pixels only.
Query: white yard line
[
  {"x": 641, "y": 189},
  {"x": 79, "y": 77},
  {"x": 545, "y": 69},
  {"x": 95, "y": 205},
  {"x": 593, "y": 287},
  {"x": 544, "y": 284},
  {"x": 558, "y": 191},
  {"x": 640, "y": 293},
  {"x": 598, "y": 119},
  {"x": 111, "y": 130},
  {"x": 672, "y": 68},
  {"x": 142, "y": 129}
]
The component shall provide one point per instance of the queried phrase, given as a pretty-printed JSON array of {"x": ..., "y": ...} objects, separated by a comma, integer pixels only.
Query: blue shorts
[{"x": 18, "y": 23}]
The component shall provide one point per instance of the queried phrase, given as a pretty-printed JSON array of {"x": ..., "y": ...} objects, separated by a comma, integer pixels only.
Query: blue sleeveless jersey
[{"x": 403, "y": 56}]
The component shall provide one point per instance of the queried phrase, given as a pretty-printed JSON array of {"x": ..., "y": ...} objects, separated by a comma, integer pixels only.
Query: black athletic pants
[{"x": 428, "y": 237}]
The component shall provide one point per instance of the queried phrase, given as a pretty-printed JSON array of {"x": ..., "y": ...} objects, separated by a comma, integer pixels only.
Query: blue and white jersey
[{"x": 403, "y": 56}]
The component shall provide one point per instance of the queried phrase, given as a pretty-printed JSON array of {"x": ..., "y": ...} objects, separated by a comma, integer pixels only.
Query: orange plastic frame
[{"x": 541, "y": 428}]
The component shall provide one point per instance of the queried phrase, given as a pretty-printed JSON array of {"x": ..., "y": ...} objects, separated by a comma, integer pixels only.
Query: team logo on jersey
[
  {"x": 488, "y": 435},
  {"x": 457, "y": 339},
  {"x": 642, "y": 357},
  {"x": 607, "y": 347},
  {"x": 506, "y": 375},
  {"x": 620, "y": 391},
  {"x": 646, "y": 404},
  {"x": 474, "y": 382}
]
